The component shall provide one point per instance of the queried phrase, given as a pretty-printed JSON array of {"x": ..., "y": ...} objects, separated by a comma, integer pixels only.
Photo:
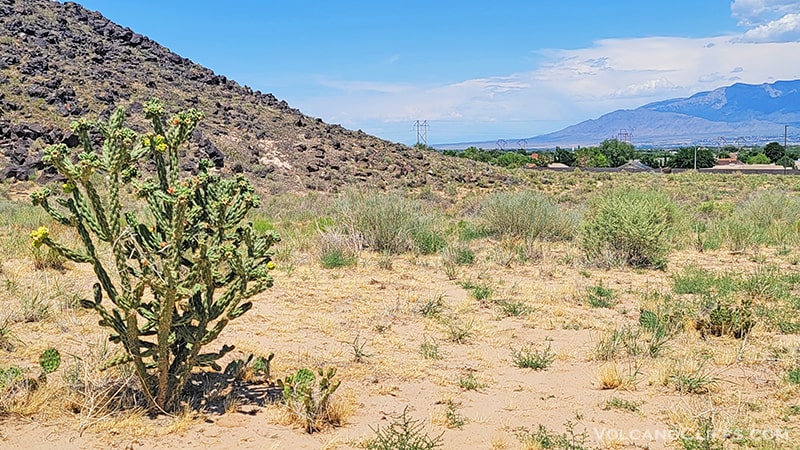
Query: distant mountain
[{"x": 738, "y": 114}]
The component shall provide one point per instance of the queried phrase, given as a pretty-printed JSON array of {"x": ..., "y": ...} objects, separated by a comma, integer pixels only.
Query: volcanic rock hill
[{"x": 61, "y": 61}]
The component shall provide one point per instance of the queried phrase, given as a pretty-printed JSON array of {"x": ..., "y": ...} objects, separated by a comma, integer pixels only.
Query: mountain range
[
  {"x": 60, "y": 61},
  {"x": 740, "y": 114}
]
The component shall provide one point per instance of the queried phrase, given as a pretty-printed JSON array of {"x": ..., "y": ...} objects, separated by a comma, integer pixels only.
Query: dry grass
[{"x": 311, "y": 316}]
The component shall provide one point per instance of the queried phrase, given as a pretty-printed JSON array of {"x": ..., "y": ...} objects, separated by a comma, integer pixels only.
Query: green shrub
[
  {"x": 758, "y": 158},
  {"x": 600, "y": 296},
  {"x": 543, "y": 438},
  {"x": 630, "y": 226},
  {"x": 336, "y": 257},
  {"x": 404, "y": 433},
  {"x": 528, "y": 357},
  {"x": 699, "y": 281},
  {"x": 171, "y": 252},
  {"x": 338, "y": 250},
  {"x": 527, "y": 214},
  {"x": 459, "y": 254},
  {"x": 390, "y": 222}
]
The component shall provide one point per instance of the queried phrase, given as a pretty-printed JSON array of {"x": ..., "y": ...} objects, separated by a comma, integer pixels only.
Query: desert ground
[{"x": 522, "y": 345}]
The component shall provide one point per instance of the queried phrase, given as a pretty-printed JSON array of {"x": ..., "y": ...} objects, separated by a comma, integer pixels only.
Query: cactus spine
[{"x": 182, "y": 270}]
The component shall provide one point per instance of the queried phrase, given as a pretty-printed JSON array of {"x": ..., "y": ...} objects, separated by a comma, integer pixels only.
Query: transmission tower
[
  {"x": 625, "y": 136},
  {"x": 422, "y": 131}
]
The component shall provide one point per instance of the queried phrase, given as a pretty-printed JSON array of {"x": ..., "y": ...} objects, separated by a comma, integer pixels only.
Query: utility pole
[
  {"x": 422, "y": 131},
  {"x": 785, "y": 135}
]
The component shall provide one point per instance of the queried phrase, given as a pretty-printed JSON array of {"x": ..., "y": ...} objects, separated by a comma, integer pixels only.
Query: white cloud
[
  {"x": 785, "y": 29},
  {"x": 571, "y": 86},
  {"x": 758, "y": 12}
]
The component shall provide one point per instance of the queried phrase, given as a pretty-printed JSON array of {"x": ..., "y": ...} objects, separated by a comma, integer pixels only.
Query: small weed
[
  {"x": 433, "y": 307},
  {"x": 404, "y": 433},
  {"x": 482, "y": 293},
  {"x": 614, "y": 342},
  {"x": 470, "y": 383},
  {"x": 7, "y": 339},
  {"x": 333, "y": 258},
  {"x": 515, "y": 308},
  {"x": 452, "y": 417},
  {"x": 459, "y": 254},
  {"x": 47, "y": 258},
  {"x": 704, "y": 438},
  {"x": 692, "y": 380},
  {"x": 359, "y": 354},
  {"x": 430, "y": 350},
  {"x": 385, "y": 261},
  {"x": 621, "y": 404},
  {"x": 793, "y": 376},
  {"x": 543, "y": 438},
  {"x": 611, "y": 378},
  {"x": 34, "y": 308},
  {"x": 601, "y": 296},
  {"x": 460, "y": 333},
  {"x": 529, "y": 358}
]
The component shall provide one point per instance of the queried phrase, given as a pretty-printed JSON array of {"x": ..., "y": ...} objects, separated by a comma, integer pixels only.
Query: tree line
[{"x": 615, "y": 153}]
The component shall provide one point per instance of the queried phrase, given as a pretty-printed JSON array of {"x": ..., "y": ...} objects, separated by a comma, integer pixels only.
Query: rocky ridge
[{"x": 62, "y": 61}]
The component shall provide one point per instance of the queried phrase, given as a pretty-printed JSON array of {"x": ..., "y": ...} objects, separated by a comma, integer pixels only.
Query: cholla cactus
[{"x": 182, "y": 269}]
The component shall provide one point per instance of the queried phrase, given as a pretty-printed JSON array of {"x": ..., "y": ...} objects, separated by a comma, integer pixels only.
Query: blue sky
[{"x": 474, "y": 70}]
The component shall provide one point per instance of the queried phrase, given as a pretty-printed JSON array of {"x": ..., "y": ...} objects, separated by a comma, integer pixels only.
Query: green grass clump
[
  {"x": 333, "y": 258},
  {"x": 543, "y": 438},
  {"x": 600, "y": 296},
  {"x": 630, "y": 227},
  {"x": 404, "y": 433},
  {"x": 390, "y": 222},
  {"x": 528, "y": 357},
  {"x": 527, "y": 214},
  {"x": 621, "y": 404}
]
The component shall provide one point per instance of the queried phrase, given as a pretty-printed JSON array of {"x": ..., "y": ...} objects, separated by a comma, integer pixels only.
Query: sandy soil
[{"x": 313, "y": 316}]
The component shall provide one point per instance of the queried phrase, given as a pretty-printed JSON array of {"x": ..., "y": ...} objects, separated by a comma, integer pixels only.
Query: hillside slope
[{"x": 61, "y": 61}]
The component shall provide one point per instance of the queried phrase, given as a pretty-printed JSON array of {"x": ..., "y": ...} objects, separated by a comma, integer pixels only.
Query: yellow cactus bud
[{"x": 39, "y": 235}]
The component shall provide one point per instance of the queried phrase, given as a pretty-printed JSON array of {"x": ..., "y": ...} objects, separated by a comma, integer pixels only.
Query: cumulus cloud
[
  {"x": 758, "y": 12},
  {"x": 572, "y": 85},
  {"x": 785, "y": 29}
]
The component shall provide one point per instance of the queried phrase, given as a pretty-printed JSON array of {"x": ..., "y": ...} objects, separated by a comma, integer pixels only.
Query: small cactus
[
  {"x": 309, "y": 405},
  {"x": 261, "y": 365},
  {"x": 49, "y": 360}
]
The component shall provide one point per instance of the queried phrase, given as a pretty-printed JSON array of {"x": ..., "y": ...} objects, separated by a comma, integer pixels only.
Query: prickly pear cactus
[
  {"x": 49, "y": 360},
  {"x": 184, "y": 264}
]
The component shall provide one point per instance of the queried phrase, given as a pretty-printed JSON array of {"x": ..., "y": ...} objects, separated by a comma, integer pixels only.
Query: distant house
[
  {"x": 727, "y": 161},
  {"x": 635, "y": 165}
]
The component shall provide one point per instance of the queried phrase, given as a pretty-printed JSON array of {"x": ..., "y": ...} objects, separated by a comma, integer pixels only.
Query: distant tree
[
  {"x": 793, "y": 152},
  {"x": 728, "y": 149},
  {"x": 564, "y": 156},
  {"x": 617, "y": 152},
  {"x": 723, "y": 154},
  {"x": 513, "y": 160},
  {"x": 590, "y": 157},
  {"x": 774, "y": 151},
  {"x": 421, "y": 146},
  {"x": 685, "y": 158},
  {"x": 786, "y": 162},
  {"x": 758, "y": 158},
  {"x": 743, "y": 154},
  {"x": 651, "y": 159}
]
